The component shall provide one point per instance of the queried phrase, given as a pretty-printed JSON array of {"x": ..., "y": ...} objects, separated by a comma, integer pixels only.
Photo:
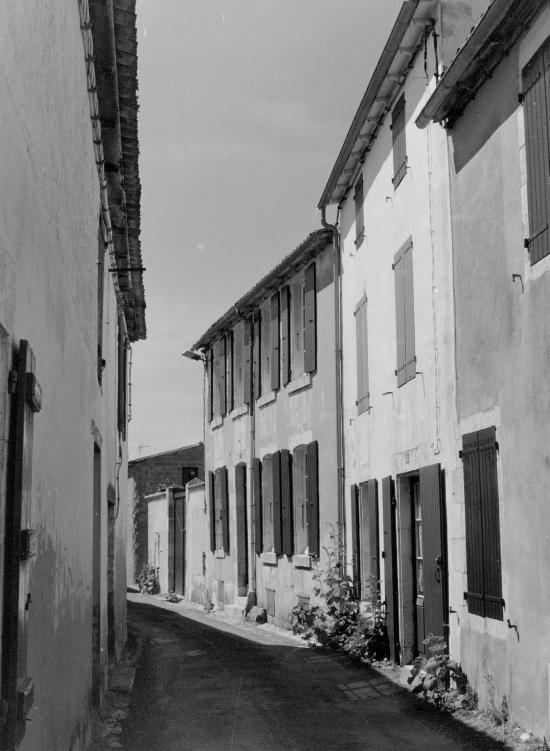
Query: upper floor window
[
  {"x": 404, "y": 314},
  {"x": 399, "y": 143},
  {"x": 359, "y": 212},
  {"x": 219, "y": 510},
  {"x": 536, "y": 108}
]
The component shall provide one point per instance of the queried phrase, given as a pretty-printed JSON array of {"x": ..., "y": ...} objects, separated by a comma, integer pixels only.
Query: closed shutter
[
  {"x": 286, "y": 503},
  {"x": 216, "y": 407},
  {"x": 310, "y": 355},
  {"x": 238, "y": 367},
  {"x": 218, "y": 504},
  {"x": 210, "y": 375},
  {"x": 224, "y": 497},
  {"x": 390, "y": 566},
  {"x": 277, "y": 510},
  {"x": 484, "y": 595},
  {"x": 433, "y": 550},
  {"x": 256, "y": 356},
  {"x": 355, "y": 539},
  {"x": 274, "y": 338},
  {"x": 212, "y": 499},
  {"x": 404, "y": 315},
  {"x": 536, "y": 108},
  {"x": 300, "y": 498},
  {"x": 285, "y": 335},
  {"x": 222, "y": 359},
  {"x": 312, "y": 490},
  {"x": 247, "y": 362},
  {"x": 240, "y": 508},
  {"x": 368, "y": 531},
  {"x": 122, "y": 367},
  {"x": 362, "y": 356},
  {"x": 257, "y": 498},
  {"x": 229, "y": 370},
  {"x": 267, "y": 502},
  {"x": 359, "y": 212},
  {"x": 399, "y": 143}
]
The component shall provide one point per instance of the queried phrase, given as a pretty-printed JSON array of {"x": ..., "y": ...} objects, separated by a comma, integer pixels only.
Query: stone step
[{"x": 236, "y": 608}]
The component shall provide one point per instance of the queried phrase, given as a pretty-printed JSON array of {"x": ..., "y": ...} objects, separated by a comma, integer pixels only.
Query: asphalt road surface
[{"x": 199, "y": 688}]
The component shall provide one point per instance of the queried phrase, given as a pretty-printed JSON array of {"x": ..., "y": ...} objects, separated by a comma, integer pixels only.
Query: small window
[
  {"x": 404, "y": 314},
  {"x": 399, "y": 143},
  {"x": 359, "y": 212}
]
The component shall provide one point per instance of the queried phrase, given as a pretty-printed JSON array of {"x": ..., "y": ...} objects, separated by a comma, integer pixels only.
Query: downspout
[
  {"x": 340, "y": 477},
  {"x": 252, "y": 595}
]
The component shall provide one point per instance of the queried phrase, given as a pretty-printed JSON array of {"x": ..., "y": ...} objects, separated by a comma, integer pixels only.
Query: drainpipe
[
  {"x": 339, "y": 385},
  {"x": 251, "y": 500}
]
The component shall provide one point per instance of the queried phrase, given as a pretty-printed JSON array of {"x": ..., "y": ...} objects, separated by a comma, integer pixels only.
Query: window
[
  {"x": 479, "y": 457},
  {"x": 229, "y": 371},
  {"x": 275, "y": 337},
  {"x": 256, "y": 356},
  {"x": 536, "y": 109},
  {"x": 286, "y": 371},
  {"x": 219, "y": 510},
  {"x": 122, "y": 377},
  {"x": 217, "y": 366},
  {"x": 404, "y": 314},
  {"x": 359, "y": 212},
  {"x": 310, "y": 322},
  {"x": 265, "y": 348},
  {"x": 257, "y": 504},
  {"x": 305, "y": 473},
  {"x": 399, "y": 144},
  {"x": 369, "y": 547},
  {"x": 362, "y": 356},
  {"x": 300, "y": 494},
  {"x": 267, "y": 503}
]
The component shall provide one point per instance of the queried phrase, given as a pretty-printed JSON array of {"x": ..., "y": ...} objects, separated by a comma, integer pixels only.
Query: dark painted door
[
  {"x": 390, "y": 566},
  {"x": 179, "y": 541}
]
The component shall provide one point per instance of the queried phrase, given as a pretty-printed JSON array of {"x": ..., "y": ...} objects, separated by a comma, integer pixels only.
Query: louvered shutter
[
  {"x": 222, "y": 359},
  {"x": 210, "y": 367},
  {"x": 285, "y": 335},
  {"x": 359, "y": 212},
  {"x": 355, "y": 539},
  {"x": 212, "y": 499},
  {"x": 434, "y": 550},
  {"x": 224, "y": 497},
  {"x": 277, "y": 506},
  {"x": 267, "y": 501},
  {"x": 398, "y": 267},
  {"x": 390, "y": 567},
  {"x": 536, "y": 108},
  {"x": 310, "y": 354},
  {"x": 362, "y": 356},
  {"x": 368, "y": 532},
  {"x": 256, "y": 357},
  {"x": 410, "y": 353},
  {"x": 484, "y": 595},
  {"x": 247, "y": 362},
  {"x": 257, "y": 497},
  {"x": 274, "y": 340},
  {"x": 238, "y": 366},
  {"x": 241, "y": 514},
  {"x": 229, "y": 370},
  {"x": 286, "y": 503},
  {"x": 122, "y": 378},
  {"x": 312, "y": 489},
  {"x": 399, "y": 142},
  {"x": 300, "y": 498}
]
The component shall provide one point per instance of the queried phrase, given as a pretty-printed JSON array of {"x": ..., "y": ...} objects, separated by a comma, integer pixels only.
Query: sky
[{"x": 244, "y": 105}]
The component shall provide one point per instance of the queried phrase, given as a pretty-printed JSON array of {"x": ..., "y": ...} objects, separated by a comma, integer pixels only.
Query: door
[
  {"x": 433, "y": 550},
  {"x": 242, "y": 530},
  {"x": 390, "y": 566},
  {"x": 179, "y": 541}
]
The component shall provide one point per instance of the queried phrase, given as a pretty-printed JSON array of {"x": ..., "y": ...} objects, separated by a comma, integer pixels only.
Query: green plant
[
  {"x": 434, "y": 673},
  {"x": 498, "y": 715},
  {"x": 147, "y": 581}
]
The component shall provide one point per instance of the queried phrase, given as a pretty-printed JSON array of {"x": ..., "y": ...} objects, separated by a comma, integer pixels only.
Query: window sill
[
  {"x": 303, "y": 382},
  {"x": 219, "y": 553},
  {"x": 269, "y": 559},
  {"x": 216, "y": 422},
  {"x": 239, "y": 412},
  {"x": 302, "y": 561},
  {"x": 266, "y": 399}
]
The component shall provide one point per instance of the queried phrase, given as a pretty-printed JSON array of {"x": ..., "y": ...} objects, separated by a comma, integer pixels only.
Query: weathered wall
[
  {"x": 157, "y": 535},
  {"x": 48, "y": 287},
  {"x": 197, "y": 583},
  {"x": 503, "y": 357}
]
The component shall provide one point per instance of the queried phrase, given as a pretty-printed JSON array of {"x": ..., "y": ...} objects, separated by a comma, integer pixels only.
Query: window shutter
[
  {"x": 484, "y": 595},
  {"x": 399, "y": 143},
  {"x": 224, "y": 510},
  {"x": 274, "y": 341},
  {"x": 267, "y": 501},
  {"x": 286, "y": 503},
  {"x": 210, "y": 367},
  {"x": 355, "y": 540},
  {"x": 310, "y": 355},
  {"x": 285, "y": 335},
  {"x": 218, "y": 505},
  {"x": 536, "y": 108},
  {"x": 222, "y": 359},
  {"x": 359, "y": 212},
  {"x": 229, "y": 378},
  {"x": 362, "y": 356},
  {"x": 212, "y": 498},
  {"x": 299, "y": 487},
  {"x": 399, "y": 318},
  {"x": 277, "y": 510},
  {"x": 241, "y": 512},
  {"x": 247, "y": 362},
  {"x": 368, "y": 534},
  {"x": 390, "y": 567},
  {"x": 257, "y": 497},
  {"x": 312, "y": 489},
  {"x": 434, "y": 549},
  {"x": 121, "y": 381},
  {"x": 410, "y": 354},
  {"x": 256, "y": 357}
]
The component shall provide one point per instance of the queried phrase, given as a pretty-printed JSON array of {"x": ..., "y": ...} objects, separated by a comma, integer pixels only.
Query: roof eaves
[
  {"x": 497, "y": 30},
  {"x": 309, "y": 248}
]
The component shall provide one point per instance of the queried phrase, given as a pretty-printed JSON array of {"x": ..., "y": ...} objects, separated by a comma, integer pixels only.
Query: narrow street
[{"x": 244, "y": 688}]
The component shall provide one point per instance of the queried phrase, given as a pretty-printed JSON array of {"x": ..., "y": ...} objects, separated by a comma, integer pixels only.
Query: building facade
[
  {"x": 493, "y": 101},
  {"x": 270, "y": 457},
  {"x": 69, "y": 309}
]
